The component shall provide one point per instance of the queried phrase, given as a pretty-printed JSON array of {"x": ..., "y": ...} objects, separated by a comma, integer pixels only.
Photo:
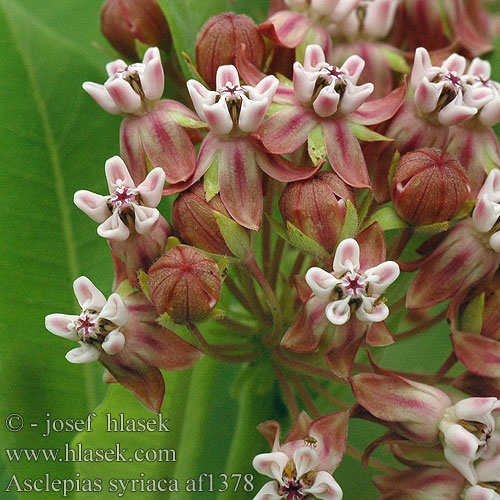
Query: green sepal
[
  {"x": 222, "y": 264},
  {"x": 278, "y": 227},
  {"x": 316, "y": 145},
  {"x": 489, "y": 164},
  {"x": 302, "y": 242},
  {"x": 436, "y": 228},
  {"x": 185, "y": 121},
  {"x": 172, "y": 242},
  {"x": 143, "y": 282},
  {"x": 396, "y": 61},
  {"x": 236, "y": 237},
  {"x": 394, "y": 166},
  {"x": 363, "y": 133},
  {"x": 351, "y": 223},
  {"x": 284, "y": 80},
  {"x": 166, "y": 321},
  {"x": 274, "y": 108},
  {"x": 465, "y": 209},
  {"x": 211, "y": 179},
  {"x": 125, "y": 289},
  {"x": 214, "y": 315},
  {"x": 388, "y": 219},
  {"x": 364, "y": 205},
  {"x": 471, "y": 319}
]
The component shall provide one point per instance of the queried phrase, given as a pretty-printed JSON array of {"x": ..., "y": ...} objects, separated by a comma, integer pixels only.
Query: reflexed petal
[
  {"x": 283, "y": 170},
  {"x": 381, "y": 276},
  {"x": 62, "y": 325},
  {"x": 87, "y": 294},
  {"x": 271, "y": 464},
  {"x": 269, "y": 492},
  {"x": 378, "y": 313},
  {"x": 114, "y": 228},
  {"x": 114, "y": 342},
  {"x": 313, "y": 57},
  {"x": 116, "y": 67},
  {"x": 227, "y": 74},
  {"x": 455, "y": 113},
  {"x": 338, "y": 312},
  {"x": 131, "y": 148},
  {"x": 305, "y": 459},
  {"x": 252, "y": 114},
  {"x": 218, "y": 118},
  {"x": 101, "y": 96},
  {"x": 321, "y": 282},
  {"x": 124, "y": 95},
  {"x": 346, "y": 256},
  {"x": 325, "y": 487},
  {"x": 200, "y": 96},
  {"x": 152, "y": 188},
  {"x": 153, "y": 79},
  {"x": 86, "y": 353},
  {"x": 479, "y": 354},
  {"x": 354, "y": 66},
  {"x": 116, "y": 169},
  {"x": 94, "y": 205},
  {"x": 145, "y": 218},
  {"x": 286, "y": 28},
  {"x": 326, "y": 103},
  {"x": 115, "y": 310}
]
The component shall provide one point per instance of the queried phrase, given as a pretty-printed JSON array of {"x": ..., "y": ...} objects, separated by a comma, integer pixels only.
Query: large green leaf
[{"x": 55, "y": 140}]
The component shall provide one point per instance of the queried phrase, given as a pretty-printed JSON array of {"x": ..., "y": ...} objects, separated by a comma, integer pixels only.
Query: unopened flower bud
[
  {"x": 317, "y": 206},
  {"x": 194, "y": 219},
  {"x": 123, "y": 22},
  {"x": 429, "y": 186},
  {"x": 219, "y": 41},
  {"x": 185, "y": 284}
]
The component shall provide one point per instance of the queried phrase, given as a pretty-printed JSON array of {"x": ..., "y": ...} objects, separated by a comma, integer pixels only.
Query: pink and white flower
[
  {"x": 130, "y": 89},
  {"x": 488, "y": 476},
  {"x": 323, "y": 12},
  {"x": 351, "y": 291},
  {"x": 232, "y": 107},
  {"x": 465, "y": 430},
  {"x": 96, "y": 328},
  {"x": 487, "y": 211},
  {"x": 127, "y": 208}
]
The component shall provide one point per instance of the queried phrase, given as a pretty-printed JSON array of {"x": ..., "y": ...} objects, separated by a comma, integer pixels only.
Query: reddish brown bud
[
  {"x": 125, "y": 21},
  {"x": 194, "y": 220},
  {"x": 429, "y": 186},
  {"x": 317, "y": 206},
  {"x": 185, "y": 284},
  {"x": 220, "y": 39}
]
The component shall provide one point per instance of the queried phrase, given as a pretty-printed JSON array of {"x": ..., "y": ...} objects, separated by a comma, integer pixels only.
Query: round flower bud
[
  {"x": 185, "y": 284},
  {"x": 125, "y": 21},
  {"x": 317, "y": 206},
  {"x": 194, "y": 220},
  {"x": 429, "y": 186},
  {"x": 219, "y": 41}
]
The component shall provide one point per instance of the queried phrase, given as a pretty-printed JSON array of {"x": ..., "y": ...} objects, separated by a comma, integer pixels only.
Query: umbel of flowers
[{"x": 322, "y": 210}]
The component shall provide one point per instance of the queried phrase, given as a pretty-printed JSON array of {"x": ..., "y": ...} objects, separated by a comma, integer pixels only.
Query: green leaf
[
  {"x": 351, "y": 223},
  {"x": 396, "y": 61},
  {"x": 236, "y": 237},
  {"x": 211, "y": 179},
  {"x": 387, "y": 218},
  {"x": 316, "y": 145},
  {"x": 305, "y": 243},
  {"x": 55, "y": 140},
  {"x": 365, "y": 134}
]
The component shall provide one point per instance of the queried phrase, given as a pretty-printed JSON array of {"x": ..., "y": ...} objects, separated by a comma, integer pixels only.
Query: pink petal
[
  {"x": 115, "y": 310},
  {"x": 251, "y": 114},
  {"x": 113, "y": 343},
  {"x": 269, "y": 492},
  {"x": 167, "y": 145},
  {"x": 218, "y": 118},
  {"x": 287, "y": 130},
  {"x": 344, "y": 153},
  {"x": 153, "y": 79},
  {"x": 114, "y": 228},
  {"x": 116, "y": 67},
  {"x": 87, "y": 294},
  {"x": 305, "y": 459},
  {"x": 427, "y": 96},
  {"x": 227, "y": 74},
  {"x": 283, "y": 170},
  {"x": 200, "y": 96},
  {"x": 354, "y": 66},
  {"x": 321, "y": 282},
  {"x": 325, "y": 487},
  {"x": 240, "y": 183},
  {"x": 346, "y": 256},
  {"x": 379, "y": 110},
  {"x": 62, "y": 325},
  {"x": 338, "y": 312},
  {"x": 145, "y": 218},
  {"x": 124, "y": 95},
  {"x": 381, "y": 276},
  {"x": 131, "y": 149},
  {"x": 116, "y": 170},
  {"x": 481, "y": 355},
  {"x": 326, "y": 104},
  {"x": 286, "y": 28},
  {"x": 372, "y": 246},
  {"x": 379, "y": 335},
  {"x": 101, "y": 96},
  {"x": 94, "y": 205},
  {"x": 271, "y": 464},
  {"x": 152, "y": 187},
  {"x": 313, "y": 57},
  {"x": 86, "y": 353}
]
